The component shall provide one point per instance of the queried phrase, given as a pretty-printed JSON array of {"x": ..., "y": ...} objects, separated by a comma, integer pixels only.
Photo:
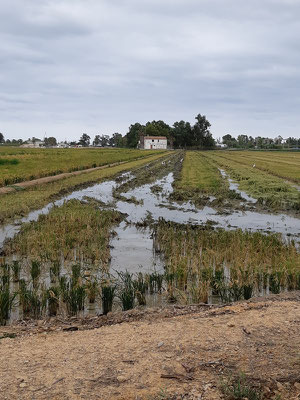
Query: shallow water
[
  {"x": 157, "y": 205},
  {"x": 235, "y": 187},
  {"x": 132, "y": 247}
]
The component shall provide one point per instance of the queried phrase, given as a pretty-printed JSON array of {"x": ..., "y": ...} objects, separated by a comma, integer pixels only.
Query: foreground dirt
[{"x": 175, "y": 353}]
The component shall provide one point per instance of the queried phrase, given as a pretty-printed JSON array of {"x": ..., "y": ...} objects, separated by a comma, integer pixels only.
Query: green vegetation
[
  {"x": 75, "y": 231},
  {"x": 200, "y": 175},
  {"x": 237, "y": 388},
  {"x": 20, "y": 203},
  {"x": 285, "y": 165},
  {"x": 36, "y": 163},
  {"x": 263, "y": 185},
  {"x": 231, "y": 264}
]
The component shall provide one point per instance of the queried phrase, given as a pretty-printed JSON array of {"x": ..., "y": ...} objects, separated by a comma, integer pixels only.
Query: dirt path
[
  {"x": 158, "y": 355},
  {"x": 53, "y": 178}
]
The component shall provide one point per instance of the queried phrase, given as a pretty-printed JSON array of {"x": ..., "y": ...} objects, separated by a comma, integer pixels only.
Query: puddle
[
  {"x": 235, "y": 187},
  {"x": 132, "y": 248},
  {"x": 157, "y": 205}
]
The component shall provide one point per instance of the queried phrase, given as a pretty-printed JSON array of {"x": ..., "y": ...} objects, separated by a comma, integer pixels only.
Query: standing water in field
[{"x": 132, "y": 247}]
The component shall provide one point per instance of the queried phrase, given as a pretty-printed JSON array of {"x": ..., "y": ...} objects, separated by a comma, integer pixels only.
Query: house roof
[{"x": 155, "y": 137}]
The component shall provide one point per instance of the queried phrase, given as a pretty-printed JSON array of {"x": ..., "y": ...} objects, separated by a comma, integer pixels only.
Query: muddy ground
[{"x": 171, "y": 353}]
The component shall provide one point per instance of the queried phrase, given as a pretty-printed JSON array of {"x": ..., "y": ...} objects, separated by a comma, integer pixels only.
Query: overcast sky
[{"x": 96, "y": 66}]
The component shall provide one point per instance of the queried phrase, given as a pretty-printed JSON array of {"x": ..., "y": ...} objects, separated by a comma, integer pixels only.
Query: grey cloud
[{"x": 77, "y": 65}]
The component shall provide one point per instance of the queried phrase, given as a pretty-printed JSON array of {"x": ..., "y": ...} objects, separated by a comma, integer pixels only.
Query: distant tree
[
  {"x": 230, "y": 141},
  {"x": 201, "y": 135},
  {"x": 182, "y": 134},
  {"x": 117, "y": 140},
  {"x": 50, "y": 141},
  {"x": 97, "y": 140},
  {"x": 291, "y": 141},
  {"x": 1, "y": 138},
  {"x": 133, "y": 135},
  {"x": 104, "y": 140},
  {"x": 7, "y": 141},
  {"x": 84, "y": 140},
  {"x": 243, "y": 140}
]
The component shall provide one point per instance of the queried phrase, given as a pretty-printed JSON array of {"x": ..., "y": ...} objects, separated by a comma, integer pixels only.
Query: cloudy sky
[{"x": 96, "y": 66}]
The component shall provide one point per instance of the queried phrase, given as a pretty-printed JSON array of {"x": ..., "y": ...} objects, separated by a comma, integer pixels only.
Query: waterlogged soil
[{"x": 170, "y": 353}]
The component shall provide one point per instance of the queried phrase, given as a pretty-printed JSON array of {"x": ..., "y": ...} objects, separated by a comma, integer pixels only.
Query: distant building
[
  {"x": 33, "y": 144},
  {"x": 62, "y": 145},
  {"x": 153, "y": 142}
]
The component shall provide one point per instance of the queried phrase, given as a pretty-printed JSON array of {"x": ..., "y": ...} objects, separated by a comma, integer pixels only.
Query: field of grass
[
  {"x": 270, "y": 189},
  {"x": 231, "y": 264},
  {"x": 20, "y": 203},
  {"x": 285, "y": 165},
  {"x": 72, "y": 232},
  {"x": 21, "y": 164},
  {"x": 200, "y": 174}
]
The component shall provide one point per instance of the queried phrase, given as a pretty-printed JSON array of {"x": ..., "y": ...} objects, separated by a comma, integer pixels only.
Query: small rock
[
  {"x": 122, "y": 378},
  {"x": 297, "y": 385},
  {"x": 230, "y": 325},
  {"x": 160, "y": 344},
  {"x": 23, "y": 385}
]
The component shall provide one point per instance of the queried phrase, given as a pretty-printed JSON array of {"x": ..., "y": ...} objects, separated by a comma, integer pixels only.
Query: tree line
[
  {"x": 259, "y": 142},
  {"x": 181, "y": 134}
]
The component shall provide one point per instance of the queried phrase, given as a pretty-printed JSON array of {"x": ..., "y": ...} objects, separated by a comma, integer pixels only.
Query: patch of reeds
[{"x": 232, "y": 265}]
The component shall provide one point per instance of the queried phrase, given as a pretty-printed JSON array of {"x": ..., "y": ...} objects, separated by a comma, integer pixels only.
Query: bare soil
[{"x": 180, "y": 352}]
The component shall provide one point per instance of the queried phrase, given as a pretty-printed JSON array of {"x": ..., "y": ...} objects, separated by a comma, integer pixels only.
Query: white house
[
  {"x": 153, "y": 142},
  {"x": 33, "y": 144}
]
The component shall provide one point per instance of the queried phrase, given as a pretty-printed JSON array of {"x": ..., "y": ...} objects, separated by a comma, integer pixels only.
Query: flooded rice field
[{"x": 159, "y": 250}]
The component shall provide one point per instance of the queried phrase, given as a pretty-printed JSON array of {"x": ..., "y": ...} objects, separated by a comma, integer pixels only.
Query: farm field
[
  {"x": 22, "y": 164},
  {"x": 282, "y": 164},
  {"x": 265, "y": 185},
  {"x": 20, "y": 203},
  {"x": 171, "y": 228}
]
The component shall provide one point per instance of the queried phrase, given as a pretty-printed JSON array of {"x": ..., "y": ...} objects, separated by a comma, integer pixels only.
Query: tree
[
  {"x": 201, "y": 136},
  {"x": 50, "y": 141},
  {"x": 243, "y": 140},
  {"x": 182, "y": 134},
  {"x": 118, "y": 139},
  {"x": 84, "y": 140},
  {"x": 133, "y": 135},
  {"x": 1, "y": 138},
  {"x": 229, "y": 140},
  {"x": 97, "y": 140},
  {"x": 104, "y": 140}
]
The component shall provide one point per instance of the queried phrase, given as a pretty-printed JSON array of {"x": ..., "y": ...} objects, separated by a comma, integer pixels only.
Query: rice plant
[
  {"x": 126, "y": 290},
  {"x": 6, "y": 302},
  {"x": 107, "y": 295}
]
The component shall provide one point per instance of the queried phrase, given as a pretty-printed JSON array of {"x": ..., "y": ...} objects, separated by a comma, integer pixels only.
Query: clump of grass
[
  {"x": 16, "y": 268},
  {"x": 238, "y": 388},
  {"x": 30, "y": 301},
  {"x": 6, "y": 302},
  {"x": 126, "y": 290},
  {"x": 140, "y": 287},
  {"x": 55, "y": 272},
  {"x": 53, "y": 301},
  {"x": 233, "y": 265},
  {"x": 107, "y": 295},
  {"x": 92, "y": 290},
  {"x": 35, "y": 272}
]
